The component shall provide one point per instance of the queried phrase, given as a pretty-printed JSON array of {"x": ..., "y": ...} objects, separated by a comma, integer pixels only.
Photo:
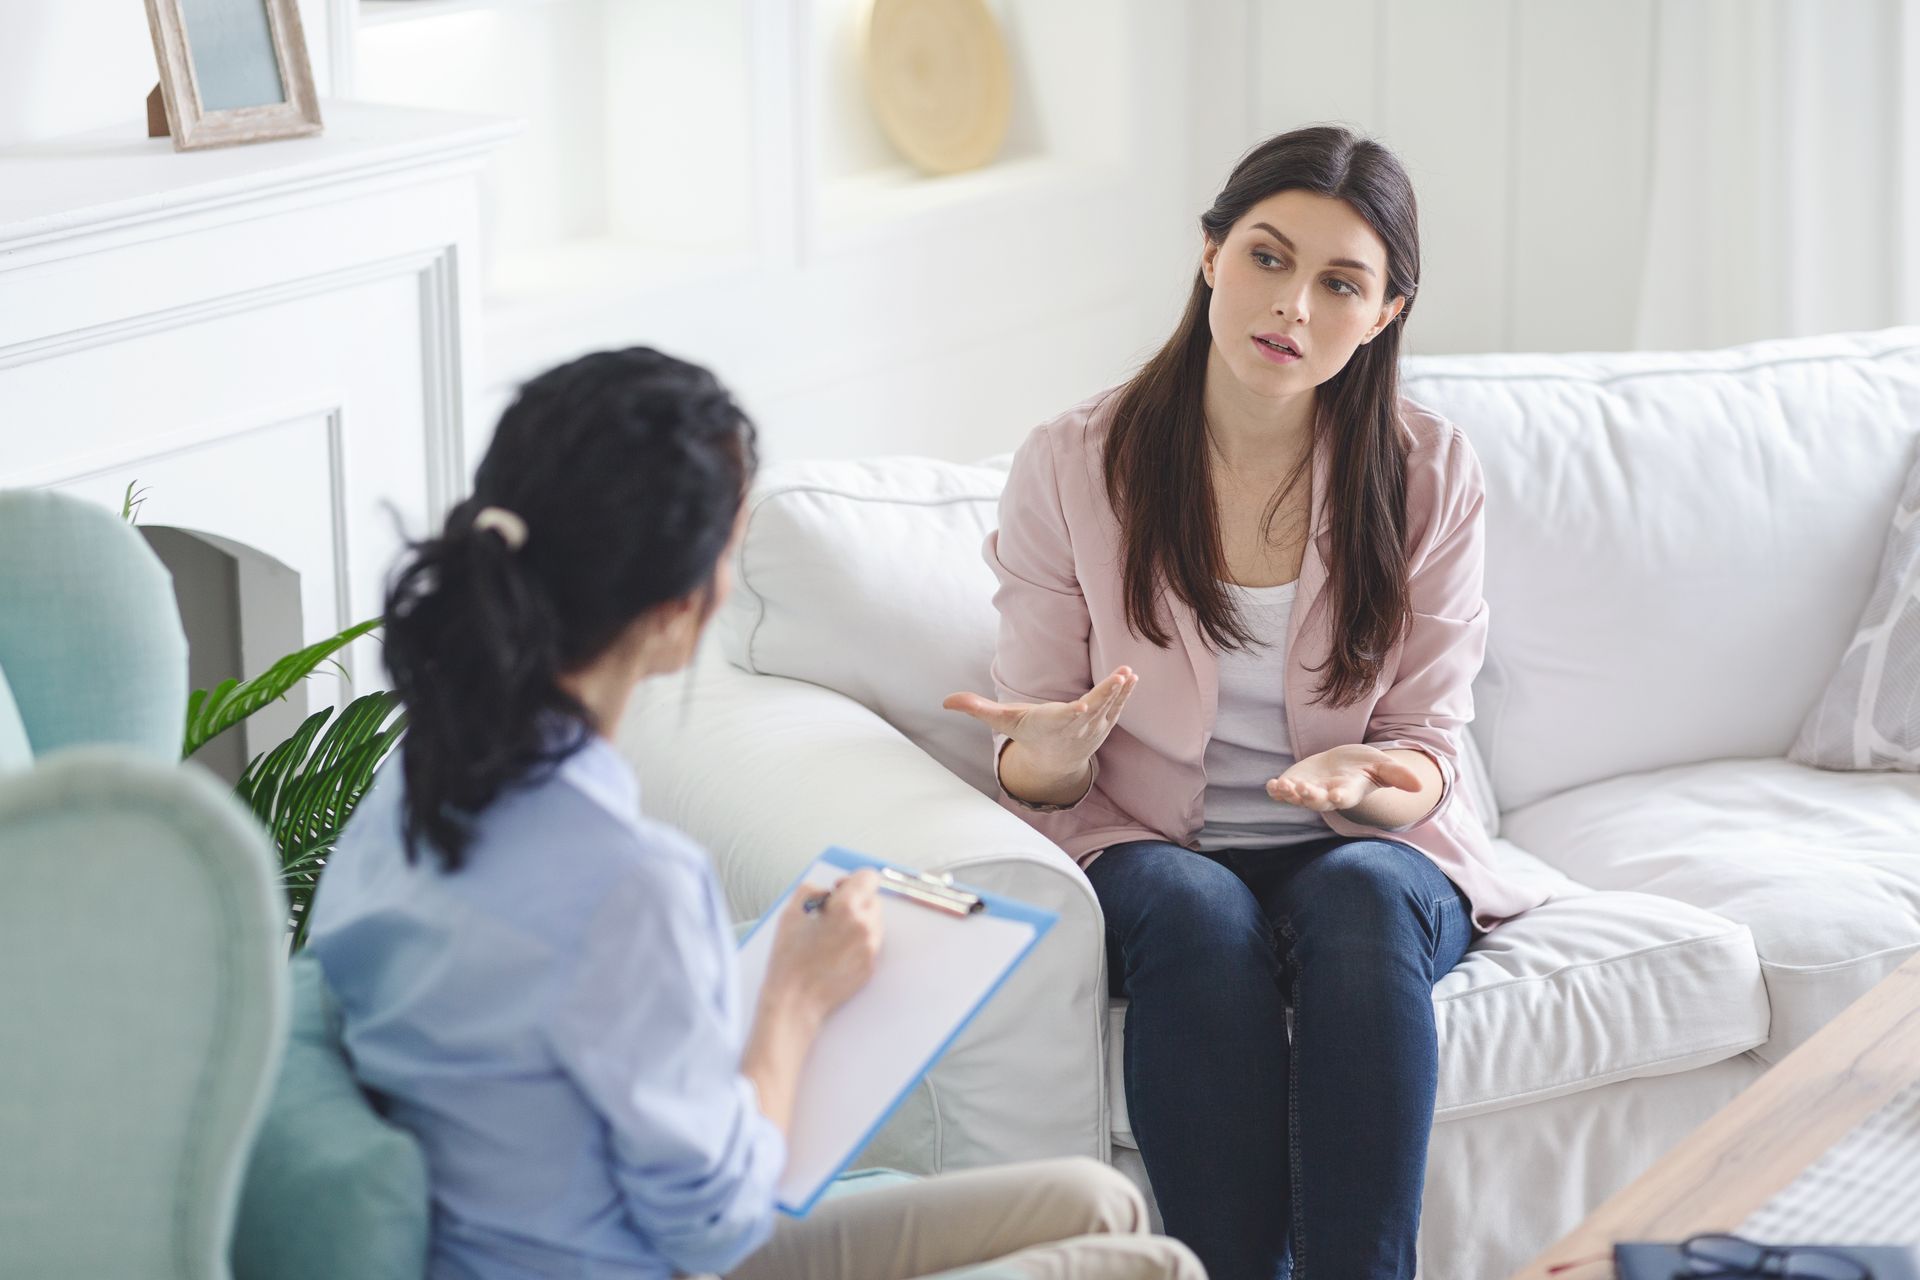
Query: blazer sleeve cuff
[
  {"x": 1446, "y": 780},
  {"x": 999, "y": 749}
]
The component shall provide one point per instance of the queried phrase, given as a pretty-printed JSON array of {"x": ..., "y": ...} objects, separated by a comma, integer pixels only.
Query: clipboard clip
[{"x": 933, "y": 891}]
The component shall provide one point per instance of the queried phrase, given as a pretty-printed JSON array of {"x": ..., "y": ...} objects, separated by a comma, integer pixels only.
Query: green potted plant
[{"x": 304, "y": 790}]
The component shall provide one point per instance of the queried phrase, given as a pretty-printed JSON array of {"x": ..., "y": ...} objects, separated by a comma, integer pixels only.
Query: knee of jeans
[
  {"x": 1367, "y": 896},
  {"x": 1106, "y": 1200},
  {"x": 1187, "y": 904}
]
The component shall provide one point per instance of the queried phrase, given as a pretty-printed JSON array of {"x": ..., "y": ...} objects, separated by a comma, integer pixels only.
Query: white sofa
[{"x": 1679, "y": 547}]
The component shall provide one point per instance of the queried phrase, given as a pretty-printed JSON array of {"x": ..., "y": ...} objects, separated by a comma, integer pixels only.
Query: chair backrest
[
  {"x": 332, "y": 1189},
  {"x": 91, "y": 647},
  {"x": 143, "y": 993}
]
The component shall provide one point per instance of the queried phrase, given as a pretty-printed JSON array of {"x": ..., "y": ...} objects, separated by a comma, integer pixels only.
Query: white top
[{"x": 1250, "y": 742}]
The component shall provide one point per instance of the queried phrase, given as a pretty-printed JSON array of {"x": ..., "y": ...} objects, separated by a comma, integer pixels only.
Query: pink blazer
[{"x": 1063, "y": 627}]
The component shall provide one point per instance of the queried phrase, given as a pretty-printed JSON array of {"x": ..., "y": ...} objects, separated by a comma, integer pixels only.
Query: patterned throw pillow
[{"x": 1869, "y": 717}]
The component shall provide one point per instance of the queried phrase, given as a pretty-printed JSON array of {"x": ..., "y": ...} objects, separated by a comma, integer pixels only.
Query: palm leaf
[
  {"x": 131, "y": 502},
  {"x": 211, "y": 712},
  {"x": 304, "y": 790}
]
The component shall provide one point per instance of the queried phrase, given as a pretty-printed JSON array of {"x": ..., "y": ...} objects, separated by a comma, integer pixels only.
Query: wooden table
[{"x": 1759, "y": 1142}]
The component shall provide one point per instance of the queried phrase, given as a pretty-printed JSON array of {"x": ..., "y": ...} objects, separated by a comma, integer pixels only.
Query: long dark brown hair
[{"x": 1156, "y": 456}]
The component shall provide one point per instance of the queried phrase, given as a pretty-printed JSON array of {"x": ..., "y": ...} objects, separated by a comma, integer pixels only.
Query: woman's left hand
[{"x": 1341, "y": 778}]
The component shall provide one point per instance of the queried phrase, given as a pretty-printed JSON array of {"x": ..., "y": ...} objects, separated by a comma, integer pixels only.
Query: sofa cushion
[
  {"x": 867, "y": 578},
  {"x": 1823, "y": 867},
  {"x": 331, "y": 1189},
  {"x": 1679, "y": 545},
  {"x": 1588, "y": 989}
]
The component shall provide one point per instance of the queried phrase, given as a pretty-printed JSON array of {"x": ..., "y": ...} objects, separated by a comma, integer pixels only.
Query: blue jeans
[{"x": 1273, "y": 1155}]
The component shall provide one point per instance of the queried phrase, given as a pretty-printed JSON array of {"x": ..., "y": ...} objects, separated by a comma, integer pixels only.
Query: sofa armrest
[{"x": 766, "y": 772}]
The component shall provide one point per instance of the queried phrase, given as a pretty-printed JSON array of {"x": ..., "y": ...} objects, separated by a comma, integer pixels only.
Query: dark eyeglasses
[{"x": 1734, "y": 1258}]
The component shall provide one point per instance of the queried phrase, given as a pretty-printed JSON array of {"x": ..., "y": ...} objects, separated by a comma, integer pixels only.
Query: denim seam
[
  {"x": 1296, "y": 1228},
  {"x": 1434, "y": 925}
]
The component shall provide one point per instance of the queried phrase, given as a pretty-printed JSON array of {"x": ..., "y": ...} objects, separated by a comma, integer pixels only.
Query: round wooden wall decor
[{"x": 937, "y": 73}]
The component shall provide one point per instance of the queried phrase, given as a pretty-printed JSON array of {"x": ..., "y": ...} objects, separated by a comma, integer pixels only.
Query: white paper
[{"x": 933, "y": 969}]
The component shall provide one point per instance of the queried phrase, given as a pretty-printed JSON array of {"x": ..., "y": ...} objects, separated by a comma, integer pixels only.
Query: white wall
[
  {"x": 703, "y": 175},
  {"x": 1525, "y": 127},
  {"x": 1602, "y": 176},
  {"x": 68, "y": 66},
  {"x": 1592, "y": 176}
]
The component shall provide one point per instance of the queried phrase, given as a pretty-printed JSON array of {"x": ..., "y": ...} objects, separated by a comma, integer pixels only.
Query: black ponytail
[{"x": 611, "y": 487}]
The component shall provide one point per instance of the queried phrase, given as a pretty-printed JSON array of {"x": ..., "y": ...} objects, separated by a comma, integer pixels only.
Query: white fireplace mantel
[{"x": 276, "y": 341}]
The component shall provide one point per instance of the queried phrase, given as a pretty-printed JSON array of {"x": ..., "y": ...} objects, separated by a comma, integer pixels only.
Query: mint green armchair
[
  {"x": 91, "y": 649},
  {"x": 143, "y": 996},
  {"x": 142, "y": 972}
]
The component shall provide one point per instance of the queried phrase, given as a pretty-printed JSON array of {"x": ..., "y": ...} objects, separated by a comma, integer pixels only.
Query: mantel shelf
[{"x": 118, "y": 177}]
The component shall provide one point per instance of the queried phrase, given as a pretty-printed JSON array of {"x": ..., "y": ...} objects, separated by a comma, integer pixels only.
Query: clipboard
[{"x": 937, "y": 968}]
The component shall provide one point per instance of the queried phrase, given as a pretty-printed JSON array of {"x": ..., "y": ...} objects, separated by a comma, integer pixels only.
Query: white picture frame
[{"x": 232, "y": 71}]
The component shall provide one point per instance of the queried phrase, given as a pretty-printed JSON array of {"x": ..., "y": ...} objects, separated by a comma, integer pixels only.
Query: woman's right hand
[
  {"x": 822, "y": 958},
  {"x": 1057, "y": 736}
]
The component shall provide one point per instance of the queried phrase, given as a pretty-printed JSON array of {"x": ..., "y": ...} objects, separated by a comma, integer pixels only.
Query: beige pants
[{"x": 1073, "y": 1219}]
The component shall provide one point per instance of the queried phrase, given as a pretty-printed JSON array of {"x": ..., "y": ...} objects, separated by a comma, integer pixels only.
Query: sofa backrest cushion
[
  {"x": 331, "y": 1189},
  {"x": 1679, "y": 544},
  {"x": 1679, "y": 547},
  {"x": 867, "y": 578}
]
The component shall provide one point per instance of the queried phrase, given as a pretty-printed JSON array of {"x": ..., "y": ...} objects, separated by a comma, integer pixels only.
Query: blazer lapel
[
  {"x": 1313, "y": 564},
  {"x": 1309, "y": 638},
  {"x": 1201, "y": 659}
]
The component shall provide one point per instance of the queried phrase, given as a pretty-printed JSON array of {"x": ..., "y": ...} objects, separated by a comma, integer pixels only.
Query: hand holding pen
[
  {"x": 821, "y": 958},
  {"x": 827, "y": 942}
]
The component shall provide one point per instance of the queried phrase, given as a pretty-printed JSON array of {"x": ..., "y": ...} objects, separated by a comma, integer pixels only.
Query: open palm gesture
[
  {"x": 1341, "y": 778},
  {"x": 1060, "y": 735}
]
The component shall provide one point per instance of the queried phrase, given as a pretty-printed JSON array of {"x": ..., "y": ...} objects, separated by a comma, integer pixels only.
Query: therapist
[{"x": 537, "y": 980}]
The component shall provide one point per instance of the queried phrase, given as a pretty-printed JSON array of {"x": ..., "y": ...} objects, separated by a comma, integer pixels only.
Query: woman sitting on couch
[
  {"x": 537, "y": 981},
  {"x": 1279, "y": 562}
]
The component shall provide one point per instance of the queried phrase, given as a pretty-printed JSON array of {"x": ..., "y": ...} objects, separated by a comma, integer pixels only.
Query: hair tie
[{"x": 511, "y": 528}]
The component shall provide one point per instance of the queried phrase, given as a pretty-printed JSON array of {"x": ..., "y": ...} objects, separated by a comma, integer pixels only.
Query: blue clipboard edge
[{"x": 846, "y": 859}]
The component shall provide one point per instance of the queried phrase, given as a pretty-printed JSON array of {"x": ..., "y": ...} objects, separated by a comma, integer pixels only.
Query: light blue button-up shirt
[{"x": 558, "y": 1023}]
